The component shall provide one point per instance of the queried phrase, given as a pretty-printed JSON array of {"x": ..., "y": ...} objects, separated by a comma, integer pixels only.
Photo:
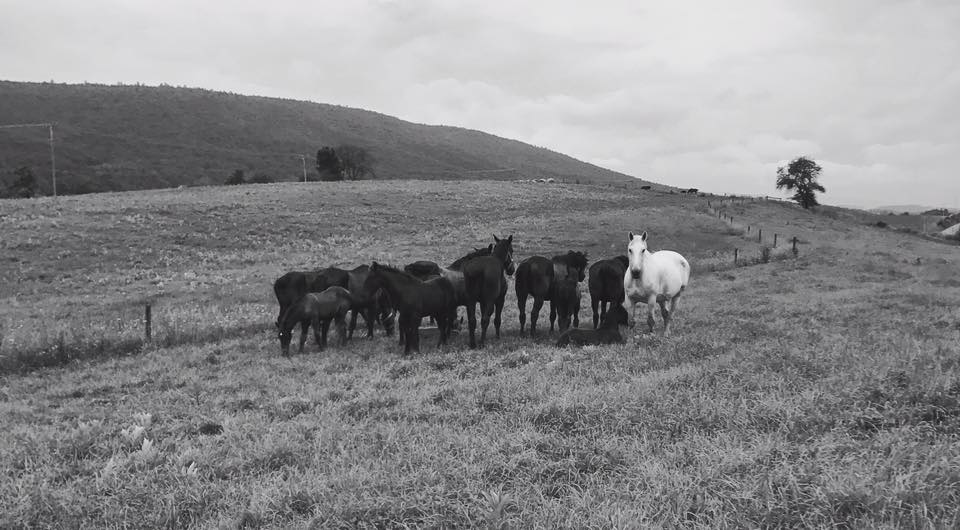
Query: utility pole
[{"x": 53, "y": 160}]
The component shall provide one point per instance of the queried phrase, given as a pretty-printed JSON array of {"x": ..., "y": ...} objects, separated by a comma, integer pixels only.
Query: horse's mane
[
  {"x": 476, "y": 253},
  {"x": 622, "y": 259},
  {"x": 573, "y": 258},
  {"x": 390, "y": 268}
]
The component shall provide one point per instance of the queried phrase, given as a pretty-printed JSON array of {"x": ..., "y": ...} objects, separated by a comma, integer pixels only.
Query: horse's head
[
  {"x": 579, "y": 262},
  {"x": 374, "y": 279},
  {"x": 635, "y": 250},
  {"x": 503, "y": 249}
]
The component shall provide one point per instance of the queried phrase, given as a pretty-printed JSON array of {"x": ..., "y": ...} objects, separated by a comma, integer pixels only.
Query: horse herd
[{"x": 425, "y": 289}]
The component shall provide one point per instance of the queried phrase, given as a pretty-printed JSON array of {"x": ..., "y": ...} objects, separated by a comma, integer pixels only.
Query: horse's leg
[
  {"x": 325, "y": 332},
  {"x": 596, "y": 305},
  {"x": 442, "y": 326},
  {"x": 651, "y": 305},
  {"x": 522, "y": 306},
  {"x": 472, "y": 322},
  {"x": 486, "y": 310},
  {"x": 353, "y": 322},
  {"x": 341, "y": 322},
  {"x": 666, "y": 317},
  {"x": 316, "y": 330},
  {"x": 553, "y": 315},
  {"x": 304, "y": 326},
  {"x": 498, "y": 310},
  {"x": 414, "y": 339},
  {"x": 370, "y": 315},
  {"x": 535, "y": 314}
]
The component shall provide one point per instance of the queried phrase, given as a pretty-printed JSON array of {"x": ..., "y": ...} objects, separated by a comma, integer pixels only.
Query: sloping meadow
[{"x": 816, "y": 392}]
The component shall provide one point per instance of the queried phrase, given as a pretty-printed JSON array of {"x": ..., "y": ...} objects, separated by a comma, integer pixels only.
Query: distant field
[{"x": 811, "y": 392}]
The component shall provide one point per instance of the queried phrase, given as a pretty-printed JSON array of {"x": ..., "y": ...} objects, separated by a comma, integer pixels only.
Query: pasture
[{"x": 817, "y": 391}]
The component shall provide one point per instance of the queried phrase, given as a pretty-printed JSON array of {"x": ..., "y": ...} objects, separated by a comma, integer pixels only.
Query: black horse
[
  {"x": 537, "y": 276},
  {"x": 607, "y": 333},
  {"x": 373, "y": 306},
  {"x": 606, "y": 285},
  {"x": 293, "y": 285},
  {"x": 317, "y": 310},
  {"x": 565, "y": 305},
  {"x": 414, "y": 299},
  {"x": 485, "y": 283}
]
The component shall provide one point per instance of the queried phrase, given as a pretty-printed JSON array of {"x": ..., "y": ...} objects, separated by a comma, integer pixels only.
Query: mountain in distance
[
  {"x": 127, "y": 137},
  {"x": 912, "y": 209}
]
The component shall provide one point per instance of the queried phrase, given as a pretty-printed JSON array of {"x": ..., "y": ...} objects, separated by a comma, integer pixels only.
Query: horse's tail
[{"x": 520, "y": 275}]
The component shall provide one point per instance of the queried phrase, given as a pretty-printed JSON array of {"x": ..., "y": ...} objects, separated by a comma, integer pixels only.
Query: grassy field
[{"x": 817, "y": 391}]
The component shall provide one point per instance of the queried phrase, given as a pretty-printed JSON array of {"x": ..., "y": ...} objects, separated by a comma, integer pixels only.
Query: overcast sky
[{"x": 704, "y": 94}]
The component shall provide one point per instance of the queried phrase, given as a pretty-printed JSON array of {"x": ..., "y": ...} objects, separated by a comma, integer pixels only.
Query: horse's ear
[
  {"x": 490, "y": 247},
  {"x": 510, "y": 239},
  {"x": 631, "y": 236},
  {"x": 643, "y": 236},
  {"x": 495, "y": 238},
  {"x": 374, "y": 265}
]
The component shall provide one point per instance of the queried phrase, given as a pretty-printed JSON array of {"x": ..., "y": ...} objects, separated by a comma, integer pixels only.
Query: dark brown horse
[
  {"x": 293, "y": 285},
  {"x": 606, "y": 285},
  {"x": 608, "y": 332},
  {"x": 415, "y": 299},
  {"x": 485, "y": 283},
  {"x": 317, "y": 310},
  {"x": 537, "y": 276},
  {"x": 425, "y": 270}
]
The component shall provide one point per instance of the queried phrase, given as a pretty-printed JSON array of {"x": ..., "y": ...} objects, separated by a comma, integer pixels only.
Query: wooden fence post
[
  {"x": 736, "y": 255},
  {"x": 147, "y": 322},
  {"x": 774, "y": 240},
  {"x": 794, "y": 247},
  {"x": 748, "y": 229},
  {"x": 760, "y": 235}
]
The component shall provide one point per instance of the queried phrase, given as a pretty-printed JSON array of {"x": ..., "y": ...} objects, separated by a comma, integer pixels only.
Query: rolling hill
[{"x": 112, "y": 138}]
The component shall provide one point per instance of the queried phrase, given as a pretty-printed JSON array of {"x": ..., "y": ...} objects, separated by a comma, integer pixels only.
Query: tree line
[{"x": 344, "y": 162}]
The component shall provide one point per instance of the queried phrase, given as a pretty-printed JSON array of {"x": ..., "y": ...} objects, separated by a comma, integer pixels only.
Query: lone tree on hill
[
  {"x": 237, "y": 177},
  {"x": 801, "y": 175},
  {"x": 24, "y": 185},
  {"x": 355, "y": 161},
  {"x": 328, "y": 164}
]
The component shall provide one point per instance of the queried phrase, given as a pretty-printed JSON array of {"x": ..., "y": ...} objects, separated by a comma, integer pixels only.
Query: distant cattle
[
  {"x": 644, "y": 187},
  {"x": 693, "y": 190}
]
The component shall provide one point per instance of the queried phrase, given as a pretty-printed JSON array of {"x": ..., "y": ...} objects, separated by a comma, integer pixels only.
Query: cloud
[{"x": 691, "y": 93}]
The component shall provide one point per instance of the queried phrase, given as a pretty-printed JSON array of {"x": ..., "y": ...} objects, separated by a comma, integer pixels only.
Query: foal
[
  {"x": 317, "y": 310},
  {"x": 607, "y": 333}
]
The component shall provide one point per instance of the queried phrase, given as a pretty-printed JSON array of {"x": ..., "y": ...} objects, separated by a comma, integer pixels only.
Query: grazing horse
[
  {"x": 486, "y": 284},
  {"x": 537, "y": 276},
  {"x": 317, "y": 310},
  {"x": 565, "y": 304},
  {"x": 414, "y": 299},
  {"x": 606, "y": 285},
  {"x": 293, "y": 285},
  {"x": 372, "y": 305},
  {"x": 607, "y": 333},
  {"x": 653, "y": 278}
]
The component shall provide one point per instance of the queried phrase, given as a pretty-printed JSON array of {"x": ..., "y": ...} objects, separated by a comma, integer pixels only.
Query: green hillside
[{"x": 139, "y": 137}]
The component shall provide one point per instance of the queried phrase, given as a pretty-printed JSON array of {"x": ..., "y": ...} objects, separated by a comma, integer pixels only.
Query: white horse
[{"x": 653, "y": 278}]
